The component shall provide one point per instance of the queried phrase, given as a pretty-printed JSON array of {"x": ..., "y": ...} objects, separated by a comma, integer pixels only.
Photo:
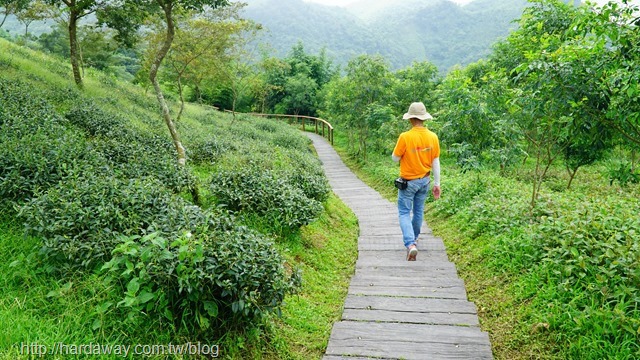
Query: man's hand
[{"x": 436, "y": 192}]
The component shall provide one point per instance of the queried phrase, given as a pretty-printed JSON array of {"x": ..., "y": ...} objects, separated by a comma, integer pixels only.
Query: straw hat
[{"x": 417, "y": 111}]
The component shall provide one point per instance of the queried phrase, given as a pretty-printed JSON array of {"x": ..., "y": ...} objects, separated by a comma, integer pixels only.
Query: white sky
[{"x": 347, "y": 2}]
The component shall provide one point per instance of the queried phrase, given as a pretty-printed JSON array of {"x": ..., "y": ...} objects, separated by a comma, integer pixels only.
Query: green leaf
[
  {"x": 144, "y": 297},
  {"x": 211, "y": 308},
  {"x": 129, "y": 301},
  {"x": 133, "y": 286},
  {"x": 204, "y": 322},
  {"x": 575, "y": 252},
  {"x": 102, "y": 308}
]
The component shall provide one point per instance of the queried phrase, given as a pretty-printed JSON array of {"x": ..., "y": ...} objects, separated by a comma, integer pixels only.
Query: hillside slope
[{"x": 108, "y": 241}]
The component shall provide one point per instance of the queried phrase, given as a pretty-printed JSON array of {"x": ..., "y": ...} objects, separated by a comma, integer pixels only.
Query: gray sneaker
[{"x": 412, "y": 252}]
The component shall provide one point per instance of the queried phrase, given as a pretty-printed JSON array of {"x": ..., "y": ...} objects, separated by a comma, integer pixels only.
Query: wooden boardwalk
[{"x": 397, "y": 309}]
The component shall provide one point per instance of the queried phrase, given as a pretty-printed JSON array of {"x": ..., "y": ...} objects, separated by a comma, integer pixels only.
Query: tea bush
[
  {"x": 131, "y": 156},
  {"x": 224, "y": 276},
  {"x": 21, "y": 104},
  {"x": 38, "y": 150},
  {"x": 265, "y": 193},
  {"x": 90, "y": 118},
  {"x": 31, "y": 163},
  {"x": 80, "y": 219},
  {"x": 210, "y": 150},
  {"x": 265, "y": 168},
  {"x": 96, "y": 185}
]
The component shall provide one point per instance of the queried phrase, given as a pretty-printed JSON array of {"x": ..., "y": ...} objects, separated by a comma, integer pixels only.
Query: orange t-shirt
[{"x": 416, "y": 149}]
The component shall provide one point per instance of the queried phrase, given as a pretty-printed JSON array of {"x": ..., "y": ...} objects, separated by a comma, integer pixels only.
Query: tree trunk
[
  {"x": 73, "y": 45},
  {"x": 4, "y": 18},
  {"x": 572, "y": 175},
  {"x": 181, "y": 98},
  {"x": 153, "y": 76}
]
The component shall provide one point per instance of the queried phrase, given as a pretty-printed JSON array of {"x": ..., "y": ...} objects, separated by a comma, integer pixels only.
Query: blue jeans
[{"x": 412, "y": 198}]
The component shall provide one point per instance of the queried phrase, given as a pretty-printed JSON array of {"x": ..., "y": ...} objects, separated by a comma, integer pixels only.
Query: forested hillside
[{"x": 438, "y": 31}]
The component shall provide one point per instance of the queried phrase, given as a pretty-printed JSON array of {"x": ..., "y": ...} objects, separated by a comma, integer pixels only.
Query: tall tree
[
  {"x": 415, "y": 83},
  {"x": 615, "y": 31},
  {"x": 126, "y": 19},
  {"x": 12, "y": 7},
  {"x": 36, "y": 11},
  {"x": 364, "y": 88},
  {"x": 72, "y": 12}
]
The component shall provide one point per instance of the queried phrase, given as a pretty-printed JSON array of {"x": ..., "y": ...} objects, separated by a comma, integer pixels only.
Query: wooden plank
[
  {"x": 337, "y": 357},
  {"x": 454, "y": 292},
  {"x": 397, "y": 234},
  {"x": 355, "y": 200},
  {"x": 390, "y": 220},
  {"x": 411, "y": 317},
  {"x": 398, "y": 245},
  {"x": 400, "y": 280},
  {"x": 409, "y": 272},
  {"x": 355, "y": 330},
  {"x": 399, "y": 253},
  {"x": 401, "y": 263},
  {"x": 379, "y": 210},
  {"x": 375, "y": 349},
  {"x": 408, "y": 341},
  {"x": 414, "y": 304},
  {"x": 373, "y": 241}
]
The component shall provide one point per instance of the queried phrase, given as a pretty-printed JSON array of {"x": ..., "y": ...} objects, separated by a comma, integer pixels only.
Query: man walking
[{"x": 418, "y": 151}]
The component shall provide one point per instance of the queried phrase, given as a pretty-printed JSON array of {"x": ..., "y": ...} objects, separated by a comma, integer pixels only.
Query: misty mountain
[
  {"x": 403, "y": 31},
  {"x": 439, "y": 31}
]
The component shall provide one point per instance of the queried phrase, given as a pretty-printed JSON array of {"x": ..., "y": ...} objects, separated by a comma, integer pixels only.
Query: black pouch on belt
[{"x": 401, "y": 183}]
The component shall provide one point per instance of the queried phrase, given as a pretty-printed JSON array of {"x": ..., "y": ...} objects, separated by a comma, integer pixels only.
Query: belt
[{"x": 425, "y": 175}]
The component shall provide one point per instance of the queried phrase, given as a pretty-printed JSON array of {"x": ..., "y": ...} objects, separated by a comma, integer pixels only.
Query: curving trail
[{"x": 397, "y": 309}]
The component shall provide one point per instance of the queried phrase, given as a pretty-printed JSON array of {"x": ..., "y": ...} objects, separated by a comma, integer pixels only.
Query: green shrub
[
  {"x": 34, "y": 160},
  {"x": 292, "y": 140},
  {"x": 623, "y": 173},
  {"x": 227, "y": 277},
  {"x": 210, "y": 150},
  {"x": 461, "y": 192},
  {"x": 574, "y": 258},
  {"x": 22, "y": 105},
  {"x": 266, "y": 194},
  {"x": 592, "y": 258},
  {"x": 80, "y": 219},
  {"x": 135, "y": 156},
  {"x": 90, "y": 118},
  {"x": 38, "y": 151},
  {"x": 303, "y": 170}
]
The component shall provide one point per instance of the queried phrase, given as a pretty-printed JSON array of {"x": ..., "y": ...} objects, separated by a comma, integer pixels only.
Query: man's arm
[
  {"x": 398, "y": 149},
  {"x": 435, "y": 173}
]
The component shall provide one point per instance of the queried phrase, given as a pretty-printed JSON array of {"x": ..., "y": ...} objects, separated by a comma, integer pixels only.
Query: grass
[{"x": 327, "y": 258}]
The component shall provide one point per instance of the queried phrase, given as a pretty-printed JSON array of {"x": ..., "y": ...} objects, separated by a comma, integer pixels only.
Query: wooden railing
[{"x": 322, "y": 127}]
